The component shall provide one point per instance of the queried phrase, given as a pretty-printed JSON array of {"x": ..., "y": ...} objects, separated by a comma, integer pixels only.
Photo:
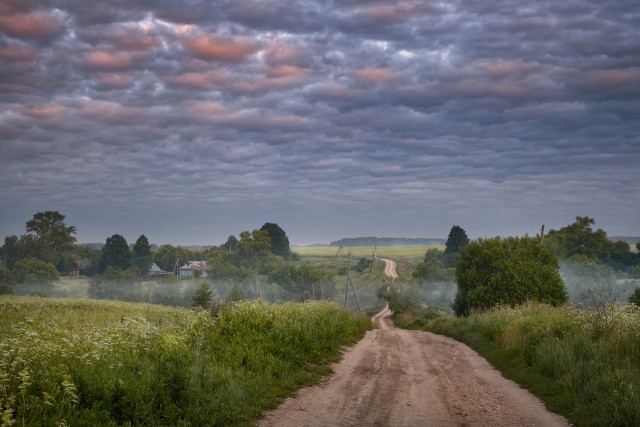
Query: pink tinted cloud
[
  {"x": 206, "y": 110},
  {"x": 375, "y": 76},
  {"x": 133, "y": 39},
  {"x": 115, "y": 80},
  {"x": 509, "y": 89},
  {"x": 109, "y": 61},
  {"x": 35, "y": 25},
  {"x": 283, "y": 53},
  {"x": 43, "y": 111},
  {"x": 235, "y": 49},
  {"x": 197, "y": 80},
  {"x": 395, "y": 12},
  {"x": 18, "y": 53},
  {"x": 111, "y": 112},
  {"x": 616, "y": 77},
  {"x": 283, "y": 71},
  {"x": 505, "y": 68}
]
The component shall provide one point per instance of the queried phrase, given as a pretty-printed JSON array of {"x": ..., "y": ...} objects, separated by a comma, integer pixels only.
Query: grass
[
  {"x": 87, "y": 362},
  {"x": 583, "y": 364},
  {"x": 413, "y": 254}
]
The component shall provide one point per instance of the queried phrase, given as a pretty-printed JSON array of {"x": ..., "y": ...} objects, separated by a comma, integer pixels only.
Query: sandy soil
[
  {"x": 395, "y": 377},
  {"x": 390, "y": 268}
]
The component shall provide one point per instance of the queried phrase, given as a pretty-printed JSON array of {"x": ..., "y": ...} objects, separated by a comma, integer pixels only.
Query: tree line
[
  {"x": 260, "y": 259},
  {"x": 512, "y": 270}
]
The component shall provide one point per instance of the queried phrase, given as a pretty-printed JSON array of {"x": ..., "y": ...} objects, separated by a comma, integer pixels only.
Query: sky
[{"x": 189, "y": 121}]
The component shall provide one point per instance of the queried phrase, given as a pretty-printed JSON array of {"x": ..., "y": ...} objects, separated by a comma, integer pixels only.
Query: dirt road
[
  {"x": 395, "y": 377},
  {"x": 390, "y": 268}
]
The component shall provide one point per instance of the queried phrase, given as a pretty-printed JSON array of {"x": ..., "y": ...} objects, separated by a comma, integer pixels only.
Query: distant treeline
[
  {"x": 389, "y": 241},
  {"x": 632, "y": 240}
]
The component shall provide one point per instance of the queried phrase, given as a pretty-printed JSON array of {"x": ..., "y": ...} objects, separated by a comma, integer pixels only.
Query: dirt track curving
[
  {"x": 395, "y": 377},
  {"x": 390, "y": 268}
]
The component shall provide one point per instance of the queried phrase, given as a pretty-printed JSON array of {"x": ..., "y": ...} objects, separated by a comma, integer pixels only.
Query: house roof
[
  {"x": 155, "y": 269},
  {"x": 83, "y": 263},
  {"x": 196, "y": 265}
]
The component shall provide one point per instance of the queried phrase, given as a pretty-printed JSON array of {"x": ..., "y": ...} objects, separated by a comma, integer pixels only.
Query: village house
[
  {"x": 77, "y": 268},
  {"x": 156, "y": 272},
  {"x": 188, "y": 271}
]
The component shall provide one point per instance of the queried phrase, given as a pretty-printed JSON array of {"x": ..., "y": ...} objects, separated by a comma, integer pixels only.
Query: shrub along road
[{"x": 412, "y": 378}]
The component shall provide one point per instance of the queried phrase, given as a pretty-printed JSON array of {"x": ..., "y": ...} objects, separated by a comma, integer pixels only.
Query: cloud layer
[{"x": 192, "y": 120}]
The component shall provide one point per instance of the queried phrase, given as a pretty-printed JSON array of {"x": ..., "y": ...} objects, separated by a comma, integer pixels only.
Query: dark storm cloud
[{"x": 496, "y": 116}]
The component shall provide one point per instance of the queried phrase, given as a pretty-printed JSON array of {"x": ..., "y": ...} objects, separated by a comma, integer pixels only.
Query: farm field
[
  {"x": 87, "y": 362},
  {"x": 403, "y": 253}
]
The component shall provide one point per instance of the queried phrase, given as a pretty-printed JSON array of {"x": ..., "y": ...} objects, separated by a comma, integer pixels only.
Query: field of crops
[
  {"x": 584, "y": 364},
  {"x": 408, "y": 253},
  {"x": 85, "y": 362}
]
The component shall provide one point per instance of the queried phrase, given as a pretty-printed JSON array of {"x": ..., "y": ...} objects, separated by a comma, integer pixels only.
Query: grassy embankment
[
  {"x": 582, "y": 364},
  {"x": 85, "y": 362}
]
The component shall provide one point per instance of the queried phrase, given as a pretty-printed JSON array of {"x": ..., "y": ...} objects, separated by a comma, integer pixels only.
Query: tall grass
[
  {"x": 84, "y": 362},
  {"x": 584, "y": 364}
]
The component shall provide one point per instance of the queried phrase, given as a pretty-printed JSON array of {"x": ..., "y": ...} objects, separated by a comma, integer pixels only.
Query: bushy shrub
[
  {"x": 491, "y": 272},
  {"x": 33, "y": 270}
]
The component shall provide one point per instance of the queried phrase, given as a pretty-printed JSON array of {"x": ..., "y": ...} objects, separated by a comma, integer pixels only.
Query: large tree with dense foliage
[
  {"x": 456, "y": 241},
  {"x": 52, "y": 233},
  {"x": 115, "y": 253},
  {"x": 579, "y": 238},
  {"x": 509, "y": 271},
  {"x": 33, "y": 270},
  {"x": 170, "y": 258},
  {"x": 141, "y": 254},
  {"x": 279, "y": 239}
]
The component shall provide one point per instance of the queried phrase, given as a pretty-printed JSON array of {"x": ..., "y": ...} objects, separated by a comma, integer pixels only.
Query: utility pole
[
  {"x": 346, "y": 289},
  {"x": 542, "y": 235},
  {"x": 346, "y": 286}
]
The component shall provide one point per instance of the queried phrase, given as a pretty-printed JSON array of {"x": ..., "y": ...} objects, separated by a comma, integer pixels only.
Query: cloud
[
  {"x": 225, "y": 49},
  {"x": 424, "y": 112},
  {"x": 33, "y": 25},
  {"x": 110, "y": 61}
]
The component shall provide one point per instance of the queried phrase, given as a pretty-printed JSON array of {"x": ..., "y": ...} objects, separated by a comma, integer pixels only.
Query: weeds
[
  {"x": 583, "y": 363},
  {"x": 70, "y": 362}
]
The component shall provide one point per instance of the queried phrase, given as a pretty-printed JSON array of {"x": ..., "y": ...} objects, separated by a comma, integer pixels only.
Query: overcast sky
[{"x": 192, "y": 120}]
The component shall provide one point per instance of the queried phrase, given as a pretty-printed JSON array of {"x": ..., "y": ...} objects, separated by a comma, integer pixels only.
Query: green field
[
  {"x": 87, "y": 362},
  {"x": 403, "y": 253}
]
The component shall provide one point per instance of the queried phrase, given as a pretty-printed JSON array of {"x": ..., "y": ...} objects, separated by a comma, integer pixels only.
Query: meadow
[
  {"x": 412, "y": 254},
  {"x": 583, "y": 363},
  {"x": 87, "y": 362}
]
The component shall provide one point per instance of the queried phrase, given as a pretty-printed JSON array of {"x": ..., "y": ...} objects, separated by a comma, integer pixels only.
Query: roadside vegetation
[
  {"x": 583, "y": 363},
  {"x": 85, "y": 362}
]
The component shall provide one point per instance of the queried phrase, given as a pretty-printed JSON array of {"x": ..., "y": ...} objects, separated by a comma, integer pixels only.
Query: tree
[
  {"x": 203, "y": 296},
  {"x": 235, "y": 294},
  {"x": 231, "y": 244},
  {"x": 115, "y": 253},
  {"x": 169, "y": 258},
  {"x": 279, "y": 239},
  {"x": 49, "y": 228},
  {"x": 456, "y": 241},
  {"x": 33, "y": 271},
  {"x": 10, "y": 250},
  {"x": 141, "y": 254},
  {"x": 635, "y": 297},
  {"x": 510, "y": 271},
  {"x": 579, "y": 238},
  {"x": 253, "y": 247}
]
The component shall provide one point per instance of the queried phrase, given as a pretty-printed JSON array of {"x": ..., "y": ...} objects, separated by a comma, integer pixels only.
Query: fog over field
[{"x": 187, "y": 121}]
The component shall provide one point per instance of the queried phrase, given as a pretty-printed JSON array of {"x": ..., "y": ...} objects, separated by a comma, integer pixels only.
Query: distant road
[{"x": 390, "y": 268}]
